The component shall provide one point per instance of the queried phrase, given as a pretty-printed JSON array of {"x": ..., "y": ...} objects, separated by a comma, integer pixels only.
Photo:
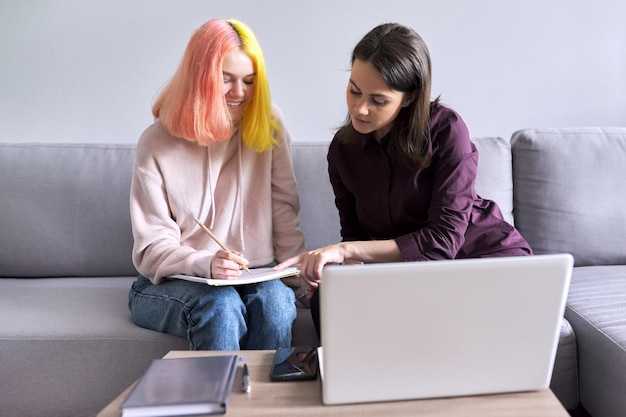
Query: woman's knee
[
  {"x": 274, "y": 290},
  {"x": 279, "y": 304}
]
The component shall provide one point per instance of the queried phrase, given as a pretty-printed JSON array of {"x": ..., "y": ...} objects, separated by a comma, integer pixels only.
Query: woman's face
[
  {"x": 372, "y": 104},
  {"x": 239, "y": 79}
]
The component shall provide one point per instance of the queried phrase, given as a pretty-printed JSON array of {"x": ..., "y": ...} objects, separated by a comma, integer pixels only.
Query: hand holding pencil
[{"x": 216, "y": 239}]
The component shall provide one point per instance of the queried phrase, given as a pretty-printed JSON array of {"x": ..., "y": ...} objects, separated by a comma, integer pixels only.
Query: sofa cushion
[
  {"x": 494, "y": 178},
  {"x": 65, "y": 210},
  {"x": 595, "y": 308},
  {"x": 69, "y": 344},
  {"x": 570, "y": 193},
  {"x": 564, "y": 382},
  {"x": 318, "y": 214},
  {"x": 319, "y": 217}
]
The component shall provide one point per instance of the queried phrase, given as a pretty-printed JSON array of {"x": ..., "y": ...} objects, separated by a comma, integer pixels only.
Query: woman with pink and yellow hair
[
  {"x": 195, "y": 90},
  {"x": 218, "y": 151}
]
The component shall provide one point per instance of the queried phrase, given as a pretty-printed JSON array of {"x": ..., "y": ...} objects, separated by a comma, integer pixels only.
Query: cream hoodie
[{"x": 248, "y": 199}]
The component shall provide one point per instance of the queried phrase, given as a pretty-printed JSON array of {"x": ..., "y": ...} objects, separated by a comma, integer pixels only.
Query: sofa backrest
[
  {"x": 494, "y": 178},
  {"x": 318, "y": 214},
  {"x": 64, "y": 210},
  {"x": 569, "y": 192},
  {"x": 319, "y": 218}
]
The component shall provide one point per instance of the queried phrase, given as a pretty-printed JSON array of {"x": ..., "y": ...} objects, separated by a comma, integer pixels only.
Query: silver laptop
[{"x": 411, "y": 330}]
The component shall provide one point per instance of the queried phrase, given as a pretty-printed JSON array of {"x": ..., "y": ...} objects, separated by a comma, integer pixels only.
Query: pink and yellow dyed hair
[{"x": 192, "y": 105}]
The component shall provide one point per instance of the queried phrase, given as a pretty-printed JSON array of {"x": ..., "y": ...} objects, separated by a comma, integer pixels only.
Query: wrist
[{"x": 348, "y": 252}]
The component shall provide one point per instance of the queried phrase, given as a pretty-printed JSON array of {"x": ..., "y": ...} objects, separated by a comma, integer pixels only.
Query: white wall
[{"x": 87, "y": 71}]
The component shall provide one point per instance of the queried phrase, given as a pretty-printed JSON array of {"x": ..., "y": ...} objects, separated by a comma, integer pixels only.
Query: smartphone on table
[{"x": 294, "y": 364}]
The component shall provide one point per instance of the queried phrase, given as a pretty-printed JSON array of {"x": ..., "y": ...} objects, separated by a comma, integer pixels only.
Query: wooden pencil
[{"x": 219, "y": 242}]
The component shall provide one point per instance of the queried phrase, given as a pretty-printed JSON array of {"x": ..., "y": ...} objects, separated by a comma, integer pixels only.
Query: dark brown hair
[{"x": 401, "y": 56}]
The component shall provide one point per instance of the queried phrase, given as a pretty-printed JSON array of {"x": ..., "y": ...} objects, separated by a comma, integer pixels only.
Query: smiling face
[
  {"x": 239, "y": 82},
  {"x": 372, "y": 104}
]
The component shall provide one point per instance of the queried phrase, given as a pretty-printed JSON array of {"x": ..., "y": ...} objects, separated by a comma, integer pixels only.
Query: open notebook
[{"x": 255, "y": 275}]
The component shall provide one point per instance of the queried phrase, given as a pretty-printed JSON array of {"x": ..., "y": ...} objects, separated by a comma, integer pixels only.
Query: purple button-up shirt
[{"x": 433, "y": 213}]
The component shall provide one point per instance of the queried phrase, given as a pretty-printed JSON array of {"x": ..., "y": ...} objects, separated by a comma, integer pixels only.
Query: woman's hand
[
  {"x": 227, "y": 265},
  {"x": 312, "y": 262}
]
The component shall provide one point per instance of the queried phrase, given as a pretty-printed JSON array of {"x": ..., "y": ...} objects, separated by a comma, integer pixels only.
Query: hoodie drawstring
[
  {"x": 239, "y": 201},
  {"x": 238, "y": 208},
  {"x": 211, "y": 190}
]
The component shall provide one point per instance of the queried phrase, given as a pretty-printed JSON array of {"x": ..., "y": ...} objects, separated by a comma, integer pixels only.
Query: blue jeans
[{"x": 256, "y": 316}]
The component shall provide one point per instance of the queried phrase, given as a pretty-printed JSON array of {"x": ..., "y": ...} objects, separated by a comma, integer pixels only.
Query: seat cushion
[
  {"x": 564, "y": 381},
  {"x": 595, "y": 308},
  {"x": 69, "y": 344}
]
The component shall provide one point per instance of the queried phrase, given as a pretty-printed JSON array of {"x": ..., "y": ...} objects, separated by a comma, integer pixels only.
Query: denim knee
[
  {"x": 271, "y": 310},
  {"x": 218, "y": 321},
  {"x": 258, "y": 316}
]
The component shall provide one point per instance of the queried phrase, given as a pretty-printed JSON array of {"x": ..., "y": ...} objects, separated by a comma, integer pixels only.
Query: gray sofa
[{"x": 67, "y": 342}]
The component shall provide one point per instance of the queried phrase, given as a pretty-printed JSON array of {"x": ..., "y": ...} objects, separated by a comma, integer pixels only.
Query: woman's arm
[
  {"x": 287, "y": 234},
  {"x": 452, "y": 196},
  {"x": 368, "y": 251}
]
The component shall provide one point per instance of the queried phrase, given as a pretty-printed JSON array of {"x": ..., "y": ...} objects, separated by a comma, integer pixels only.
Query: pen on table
[
  {"x": 245, "y": 385},
  {"x": 206, "y": 229}
]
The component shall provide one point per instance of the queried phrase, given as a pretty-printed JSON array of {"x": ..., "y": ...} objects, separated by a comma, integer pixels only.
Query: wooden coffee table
[{"x": 304, "y": 398}]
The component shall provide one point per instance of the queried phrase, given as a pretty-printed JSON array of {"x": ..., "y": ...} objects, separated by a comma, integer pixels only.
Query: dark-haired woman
[{"x": 403, "y": 168}]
